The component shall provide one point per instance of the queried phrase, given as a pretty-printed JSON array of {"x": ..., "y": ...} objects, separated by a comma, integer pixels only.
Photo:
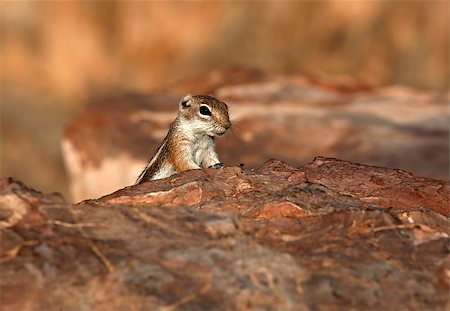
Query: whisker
[{"x": 236, "y": 124}]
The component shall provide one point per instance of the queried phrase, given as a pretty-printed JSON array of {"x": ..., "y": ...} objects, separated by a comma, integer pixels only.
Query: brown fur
[{"x": 176, "y": 141}]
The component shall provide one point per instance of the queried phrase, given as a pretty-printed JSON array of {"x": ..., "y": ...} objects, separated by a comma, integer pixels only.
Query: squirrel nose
[{"x": 228, "y": 125}]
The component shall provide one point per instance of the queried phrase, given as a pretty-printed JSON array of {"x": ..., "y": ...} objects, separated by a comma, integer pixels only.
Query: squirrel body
[{"x": 189, "y": 143}]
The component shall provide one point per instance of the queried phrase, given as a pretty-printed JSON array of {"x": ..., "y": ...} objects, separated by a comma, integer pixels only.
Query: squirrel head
[{"x": 205, "y": 114}]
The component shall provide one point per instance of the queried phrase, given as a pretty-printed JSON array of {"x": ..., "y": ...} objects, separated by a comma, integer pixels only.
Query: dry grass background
[{"x": 55, "y": 56}]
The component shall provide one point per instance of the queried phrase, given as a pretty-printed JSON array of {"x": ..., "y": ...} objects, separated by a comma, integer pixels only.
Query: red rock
[
  {"x": 379, "y": 186},
  {"x": 292, "y": 118},
  {"x": 322, "y": 180},
  {"x": 276, "y": 237},
  {"x": 281, "y": 209}
]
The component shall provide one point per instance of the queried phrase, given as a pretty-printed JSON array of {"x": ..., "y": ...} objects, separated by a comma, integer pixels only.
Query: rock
[
  {"x": 93, "y": 145},
  {"x": 328, "y": 235},
  {"x": 291, "y": 118}
]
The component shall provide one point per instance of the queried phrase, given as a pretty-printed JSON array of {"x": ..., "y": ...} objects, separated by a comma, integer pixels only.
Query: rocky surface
[
  {"x": 330, "y": 235},
  {"x": 291, "y": 118}
]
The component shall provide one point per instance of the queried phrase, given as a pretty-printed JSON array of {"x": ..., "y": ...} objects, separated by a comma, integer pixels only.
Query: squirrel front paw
[{"x": 217, "y": 165}]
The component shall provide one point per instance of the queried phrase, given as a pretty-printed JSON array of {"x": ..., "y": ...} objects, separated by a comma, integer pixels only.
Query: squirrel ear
[
  {"x": 211, "y": 95},
  {"x": 184, "y": 103}
]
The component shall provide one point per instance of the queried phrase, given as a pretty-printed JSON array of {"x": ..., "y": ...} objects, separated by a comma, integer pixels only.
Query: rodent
[{"x": 189, "y": 143}]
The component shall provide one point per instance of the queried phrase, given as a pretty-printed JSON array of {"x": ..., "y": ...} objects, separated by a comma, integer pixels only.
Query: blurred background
[{"x": 56, "y": 56}]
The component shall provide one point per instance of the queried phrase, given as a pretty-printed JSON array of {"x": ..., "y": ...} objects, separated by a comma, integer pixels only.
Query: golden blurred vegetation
[{"x": 57, "y": 55}]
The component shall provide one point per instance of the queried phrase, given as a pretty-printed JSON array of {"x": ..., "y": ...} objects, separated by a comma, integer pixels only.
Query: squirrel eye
[{"x": 205, "y": 111}]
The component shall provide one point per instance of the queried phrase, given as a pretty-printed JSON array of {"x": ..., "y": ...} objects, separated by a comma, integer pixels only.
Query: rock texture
[
  {"x": 291, "y": 118},
  {"x": 331, "y": 235}
]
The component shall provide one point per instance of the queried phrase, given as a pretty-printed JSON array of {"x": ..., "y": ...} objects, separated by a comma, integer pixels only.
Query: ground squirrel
[{"x": 189, "y": 144}]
